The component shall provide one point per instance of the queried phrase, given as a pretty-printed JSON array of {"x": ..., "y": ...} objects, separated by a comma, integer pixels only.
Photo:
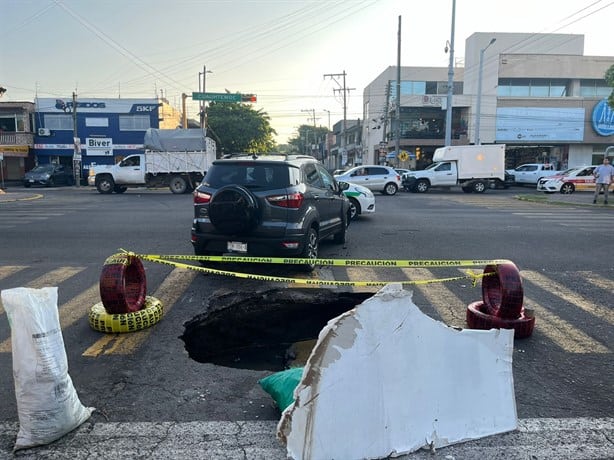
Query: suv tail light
[
  {"x": 201, "y": 197},
  {"x": 294, "y": 200}
]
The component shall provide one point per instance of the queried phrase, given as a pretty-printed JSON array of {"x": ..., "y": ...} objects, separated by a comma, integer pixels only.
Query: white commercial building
[{"x": 539, "y": 95}]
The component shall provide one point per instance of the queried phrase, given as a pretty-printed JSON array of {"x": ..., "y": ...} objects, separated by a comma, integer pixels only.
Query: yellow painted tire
[{"x": 101, "y": 320}]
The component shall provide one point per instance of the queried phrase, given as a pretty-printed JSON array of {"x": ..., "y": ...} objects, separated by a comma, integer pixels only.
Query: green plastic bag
[{"x": 281, "y": 386}]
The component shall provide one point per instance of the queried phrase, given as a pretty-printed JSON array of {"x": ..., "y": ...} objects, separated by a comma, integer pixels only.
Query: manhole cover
[{"x": 263, "y": 330}]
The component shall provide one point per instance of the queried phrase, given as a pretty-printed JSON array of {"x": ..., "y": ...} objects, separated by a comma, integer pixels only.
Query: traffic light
[
  {"x": 248, "y": 98},
  {"x": 418, "y": 153}
]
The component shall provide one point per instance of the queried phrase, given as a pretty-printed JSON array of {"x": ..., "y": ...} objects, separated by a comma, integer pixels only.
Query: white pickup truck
[
  {"x": 531, "y": 173},
  {"x": 474, "y": 167},
  {"x": 181, "y": 172},
  {"x": 180, "y": 162}
]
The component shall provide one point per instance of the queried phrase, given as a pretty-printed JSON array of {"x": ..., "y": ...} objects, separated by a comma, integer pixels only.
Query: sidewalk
[{"x": 15, "y": 191}]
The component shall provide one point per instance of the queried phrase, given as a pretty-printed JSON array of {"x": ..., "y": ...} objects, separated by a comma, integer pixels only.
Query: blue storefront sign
[{"x": 603, "y": 119}]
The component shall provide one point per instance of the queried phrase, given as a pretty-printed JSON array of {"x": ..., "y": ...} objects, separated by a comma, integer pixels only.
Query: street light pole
[
  {"x": 478, "y": 114},
  {"x": 328, "y": 111},
  {"x": 448, "y": 139},
  {"x": 203, "y": 107}
]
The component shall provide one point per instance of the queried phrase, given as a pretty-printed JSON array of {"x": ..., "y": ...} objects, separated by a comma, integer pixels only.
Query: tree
[
  {"x": 236, "y": 127},
  {"x": 609, "y": 78},
  {"x": 308, "y": 136}
]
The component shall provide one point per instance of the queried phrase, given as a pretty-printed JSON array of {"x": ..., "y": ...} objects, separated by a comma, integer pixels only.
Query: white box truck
[
  {"x": 473, "y": 167},
  {"x": 178, "y": 160}
]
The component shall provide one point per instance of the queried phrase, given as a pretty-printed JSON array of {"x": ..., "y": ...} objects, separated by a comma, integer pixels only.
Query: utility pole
[
  {"x": 313, "y": 117},
  {"x": 184, "y": 117},
  {"x": 203, "y": 106},
  {"x": 76, "y": 156},
  {"x": 345, "y": 90},
  {"x": 450, "y": 80},
  {"x": 397, "y": 136}
]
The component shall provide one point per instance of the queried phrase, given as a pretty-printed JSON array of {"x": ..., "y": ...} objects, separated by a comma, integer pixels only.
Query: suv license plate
[{"x": 237, "y": 246}]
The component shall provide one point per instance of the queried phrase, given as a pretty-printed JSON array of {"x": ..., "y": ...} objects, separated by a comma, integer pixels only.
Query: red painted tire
[
  {"x": 502, "y": 291},
  {"x": 123, "y": 286},
  {"x": 478, "y": 318}
]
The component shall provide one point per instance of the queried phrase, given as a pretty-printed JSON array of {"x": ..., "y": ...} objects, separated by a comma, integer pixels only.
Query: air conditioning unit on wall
[{"x": 44, "y": 132}]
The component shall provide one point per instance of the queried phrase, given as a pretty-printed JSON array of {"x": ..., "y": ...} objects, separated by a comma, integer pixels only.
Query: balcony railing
[{"x": 17, "y": 139}]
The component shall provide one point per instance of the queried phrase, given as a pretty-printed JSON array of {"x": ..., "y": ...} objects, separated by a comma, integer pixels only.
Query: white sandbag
[{"x": 47, "y": 403}]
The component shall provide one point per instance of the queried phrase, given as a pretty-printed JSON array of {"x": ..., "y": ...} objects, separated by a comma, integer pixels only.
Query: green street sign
[{"x": 217, "y": 97}]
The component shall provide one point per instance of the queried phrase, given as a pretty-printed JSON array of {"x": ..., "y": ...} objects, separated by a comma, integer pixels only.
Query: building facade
[
  {"x": 76, "y": 133},
  {"x": 537, "y": 93},
  {"x": 16, "y": 139}
]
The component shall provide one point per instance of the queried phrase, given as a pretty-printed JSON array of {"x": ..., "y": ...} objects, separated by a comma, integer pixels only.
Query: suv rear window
[{"x": 262, "y": 175}]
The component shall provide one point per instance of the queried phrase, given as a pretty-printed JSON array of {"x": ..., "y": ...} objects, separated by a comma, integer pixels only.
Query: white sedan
[
  {"x": 361, "y": 199},
  {"x": 580, "y": 179},
  {"x": 376, "y": 178}
]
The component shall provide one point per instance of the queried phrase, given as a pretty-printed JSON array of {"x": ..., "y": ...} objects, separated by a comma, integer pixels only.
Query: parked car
[
  {"x": 376, "y": 178},
  {"x": 580, "y": 178},
  {"x": 49, "y": 175},
  {"x": 402, "y": 172},
  {"x": 361, "y": 199},
  {"x": 531, "y": 173},
  {"x": 271, "y": 205}
]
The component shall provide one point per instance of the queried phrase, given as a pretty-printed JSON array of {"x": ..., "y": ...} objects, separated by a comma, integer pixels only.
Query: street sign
[{"x": 217, "y": 97}]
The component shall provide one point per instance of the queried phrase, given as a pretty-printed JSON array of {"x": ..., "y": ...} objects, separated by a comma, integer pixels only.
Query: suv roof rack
[{"x": 255, "y": 156}]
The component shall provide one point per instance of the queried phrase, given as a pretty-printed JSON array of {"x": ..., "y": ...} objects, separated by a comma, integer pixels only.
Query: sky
[{"x": 284, "y": 51}]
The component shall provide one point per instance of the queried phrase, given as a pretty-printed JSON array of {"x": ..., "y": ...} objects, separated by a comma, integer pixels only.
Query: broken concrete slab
[{"x": 384, "y": 380}]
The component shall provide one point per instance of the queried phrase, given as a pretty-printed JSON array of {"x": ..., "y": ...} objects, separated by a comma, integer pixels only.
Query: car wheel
[
  {"x": 178, "y": 185},
  {"x": 27, "y": 184},
  {"x": 123, "y": 285},
  {"x": 310, "y": 251},
  {"x": 502, "y": 290},
  {"x": 234, "y": 210},
  {"x": 105, "y": 184},
  {"x": 354, "y": 208},
  {"x": 390, "y": 188},
  {"x": 100, "y": 320},
  {"x": 50, "y": 182},
  {"x": 479, "y": 318},
  {"x": 120, "y": 189},
  {"x": 479, "y": 186},
  {"x": 422, "y": 186},
  {"x": 567, "y": 189}
]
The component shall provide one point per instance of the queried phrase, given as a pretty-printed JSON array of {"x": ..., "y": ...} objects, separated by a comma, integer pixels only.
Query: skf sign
[{"x": 99, "y": 146}]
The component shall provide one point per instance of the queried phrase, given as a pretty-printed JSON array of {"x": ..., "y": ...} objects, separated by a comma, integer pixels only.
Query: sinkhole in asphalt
[{"x": 267, "y": 330}]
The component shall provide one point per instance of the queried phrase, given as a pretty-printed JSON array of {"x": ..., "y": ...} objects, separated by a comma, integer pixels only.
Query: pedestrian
[{"x": 604, "y": 176}]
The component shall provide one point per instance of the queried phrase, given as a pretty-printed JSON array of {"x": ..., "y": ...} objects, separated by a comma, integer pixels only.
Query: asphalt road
[{"x": 563, "y": 372}]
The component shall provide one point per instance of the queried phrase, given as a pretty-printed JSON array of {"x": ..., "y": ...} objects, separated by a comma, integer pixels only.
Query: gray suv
[{"x": 268, "y": 205}]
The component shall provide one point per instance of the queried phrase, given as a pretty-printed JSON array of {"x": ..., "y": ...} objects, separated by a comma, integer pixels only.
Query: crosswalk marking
[
  {"x": 564, "y": 334},
  {"x": 450, "y": 307},
  {"x": 52, "y": 278},
  {"x": 599, "y": 281},
  {"x": 69, "y": 313},
  {"x": 447, "y": 304},
  {"x": 7, "y": 271},
  {"x": 603, "y": 313}
]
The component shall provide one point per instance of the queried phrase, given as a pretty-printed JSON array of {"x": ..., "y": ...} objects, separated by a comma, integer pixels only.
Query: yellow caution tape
[{"x": 474, "y": 277}]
